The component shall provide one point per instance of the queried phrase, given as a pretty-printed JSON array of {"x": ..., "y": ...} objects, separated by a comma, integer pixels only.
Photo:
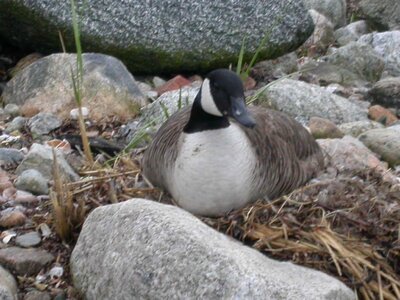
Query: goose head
[{"x": 222, "y": 95}]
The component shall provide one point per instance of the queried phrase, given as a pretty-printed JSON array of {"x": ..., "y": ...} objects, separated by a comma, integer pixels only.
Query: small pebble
[
  {"x": 56, "y": 272},
  {"x": 25, "y": 198},
  {"x": 32, "y": 181},
  {"x": 30, "y": 239},
  {"x": 11, "y": 109},
  {"x": 74, "y": 113},
  {"x": 158, "y": 81},
  {"x": 16, "y": 124},
  {"x": 37, "y": 295}
]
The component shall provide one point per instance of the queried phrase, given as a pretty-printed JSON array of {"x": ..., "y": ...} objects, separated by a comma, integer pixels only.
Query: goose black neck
[{"x": 200, "y": 120}]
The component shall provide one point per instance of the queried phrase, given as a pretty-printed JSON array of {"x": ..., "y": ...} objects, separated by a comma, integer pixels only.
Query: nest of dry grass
[{"x": 347, "y": 226}]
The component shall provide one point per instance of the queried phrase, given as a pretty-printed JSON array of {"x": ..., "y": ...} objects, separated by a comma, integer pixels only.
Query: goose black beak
[{"x": 240, "y": 113}]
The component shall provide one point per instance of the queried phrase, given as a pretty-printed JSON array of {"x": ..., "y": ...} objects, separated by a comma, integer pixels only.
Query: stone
[
  {"x": 324, "y": 74},
  {"x": 16, "y": 124},
  {"x": 302, "y": 101},
  {"x": 46, "y": 86},
  {"x": 354, "y": 129},
  {"x": 156, "y": 36},
  {"x": 351, "y": 32},
  {"x": 10, "y": 156},
  {"x": 381, "y": 115},
  {"x": 25, "y": 261},
  {"x": 25, "y": 198},
  {"x": 369, "y": 64},
  {"x": 387, "y": 45},
  {"x": 40, "y": 158},
  {"x": 8, "y": 285},
  {"x": 32, "y": 181},
  {"x": 43, "y": 123},
  {"x": 156, "y": 113},
  {"x": 11, "y": 218},
  {"x": 279, "y": 67},
  {"x": 74, "y": 113},
  {"x": 386, "y": 92},
  {"x": 324, "y": 129},
  {"x": 348, "y": 154},
  {"x": 175, "y": 249},
  {"x": 335, "y": 10},
  {"x": 11, "y": 109},
  {"x": 385, "y": 142},
  {"x": 37, "y": 295},
  {"x": 383, "y": 13},
  {"x": 158, "y": 81},
  {"x": 322, "y": 36},
  {"x": 30, "y": 239},
  {"x": 173, "y": 84}
]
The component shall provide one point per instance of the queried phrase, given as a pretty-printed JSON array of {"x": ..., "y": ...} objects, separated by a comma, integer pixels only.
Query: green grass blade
[{"x": 240, "y": 59}]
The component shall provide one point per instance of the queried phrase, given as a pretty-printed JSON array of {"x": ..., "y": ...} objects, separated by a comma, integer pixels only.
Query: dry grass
[{"x": 345, "y": 227}]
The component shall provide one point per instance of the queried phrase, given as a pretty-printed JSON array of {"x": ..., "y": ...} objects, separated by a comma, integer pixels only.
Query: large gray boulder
[
  {"x": 46, "y": 86},
  {"x": 384, "y": 13},
  {"x": 302, "y": 101},
  {"x": 161, "y": 36},
  {"x": 140, "y": 249}
]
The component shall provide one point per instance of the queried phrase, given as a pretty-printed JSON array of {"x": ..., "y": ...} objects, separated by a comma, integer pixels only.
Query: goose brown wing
[
  {"x": 288, "y": 156},
  {"x": 162, "y": 152}
]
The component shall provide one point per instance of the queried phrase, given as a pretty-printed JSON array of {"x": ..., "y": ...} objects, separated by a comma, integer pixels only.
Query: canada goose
[{"x": 218, "y": 155}]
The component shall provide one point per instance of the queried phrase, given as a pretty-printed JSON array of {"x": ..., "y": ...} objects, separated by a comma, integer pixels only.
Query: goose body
[{"x": 219, "y": 155}]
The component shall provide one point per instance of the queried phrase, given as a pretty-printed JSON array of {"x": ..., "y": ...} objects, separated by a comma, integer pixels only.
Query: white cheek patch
[{"x": 207, "y": 100}]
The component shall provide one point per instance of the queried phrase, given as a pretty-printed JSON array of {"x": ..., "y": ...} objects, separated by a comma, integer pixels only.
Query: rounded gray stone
[
  {"x": 351, "y": 32},
  {"x": 384, "y": 13},
  {"x": 40, "y": 158},
  {"x": 8, "y": 285},
  {"x": 16, "y": 124},
  {"x": 335, "y": 10},
  {"x": 360, "y": 59},
  {"x": 302, "y": 101},
  {"x": 354, "y": 129},
  {"x": 25, "y": 261},
  {"x": 11, "y": 109},
  {"x": 387, "y": 45},
  {"x": 141, "y": 249},
  {"x": 30, "y": 239},
  {"x": 385, "y": 142},
  {"x": 162, "y": 36},
  {"x": 386, "y": 92},
  {"x": 32, "y": 181},
  {"x": 43, "y": 123},
  {"x": 10, "y": 156}
]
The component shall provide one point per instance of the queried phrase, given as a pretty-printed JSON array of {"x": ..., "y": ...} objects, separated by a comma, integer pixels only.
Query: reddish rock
[
  {"x": 249, "y": 83},
  {"x": 321, "y": 128},
  {"x": 12, "y": 218},
  {"x": 173, "y": 84},
  {"x": 380, "y": 114}
]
